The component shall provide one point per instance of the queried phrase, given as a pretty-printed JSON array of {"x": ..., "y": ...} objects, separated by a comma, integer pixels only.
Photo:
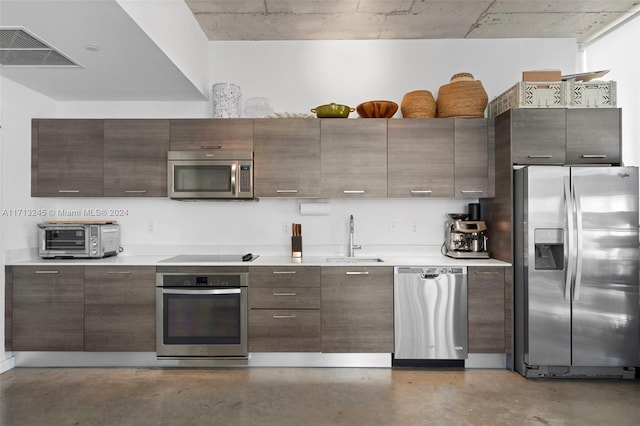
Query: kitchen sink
[{"x": 346, "y": 259}]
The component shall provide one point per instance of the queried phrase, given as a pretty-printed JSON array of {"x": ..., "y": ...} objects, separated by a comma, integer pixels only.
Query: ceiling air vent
[{"x": 20, "y": 48}]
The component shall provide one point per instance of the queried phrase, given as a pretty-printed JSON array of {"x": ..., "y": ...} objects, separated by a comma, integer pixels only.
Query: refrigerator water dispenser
[{"x": 549, "y": 249}]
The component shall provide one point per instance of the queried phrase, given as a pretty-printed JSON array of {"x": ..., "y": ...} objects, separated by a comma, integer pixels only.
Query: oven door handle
[{"x": 202, "y": 291}]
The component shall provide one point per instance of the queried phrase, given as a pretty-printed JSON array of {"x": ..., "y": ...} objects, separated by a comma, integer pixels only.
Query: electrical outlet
[
  {"x": 285, "y": 227},
  {"x": 150, "y": 227},
  {"x": 415, "y": 226},
  {"x": 394, "y": 227}
]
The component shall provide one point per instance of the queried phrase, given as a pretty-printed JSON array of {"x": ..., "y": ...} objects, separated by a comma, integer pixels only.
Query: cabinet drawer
[
  {"x": 284, "y": 330},
  {"x": 284, "y": 298},
  {"x": 284, "y": 276}
]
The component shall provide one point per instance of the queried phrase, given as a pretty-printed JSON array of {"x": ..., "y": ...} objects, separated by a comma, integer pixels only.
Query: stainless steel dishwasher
[{"x": 430, "y": 316}]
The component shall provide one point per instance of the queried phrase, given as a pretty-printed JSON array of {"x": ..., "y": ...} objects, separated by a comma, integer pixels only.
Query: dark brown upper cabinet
[
  {"x": 135, "y": 158},
  {"x": 67, "y": 158},
  {"x": 193, "y": 134},
  {"x": 287, "y": 158}
]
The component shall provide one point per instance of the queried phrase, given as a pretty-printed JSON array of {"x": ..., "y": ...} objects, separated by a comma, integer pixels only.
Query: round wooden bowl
[{"x": 377, "y": 109}]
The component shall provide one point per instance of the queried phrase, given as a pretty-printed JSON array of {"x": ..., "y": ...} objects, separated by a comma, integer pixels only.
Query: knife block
[{"x": 296, "y": 246}]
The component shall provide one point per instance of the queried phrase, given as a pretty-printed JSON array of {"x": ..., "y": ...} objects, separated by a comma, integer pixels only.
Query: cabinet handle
[
  {"x": 420, "y": 192},
  {"x": 283, "y": 316},
  {"x": 284, "y": 294},
  {"x": 47, "y": 272},
  {"x": 486, "y": 273},
  {"x": 286, "y": 191},
  {"x": 119, "y": 272},
  {"x": 283, "y": 272},
  {"x": 135, "y": 191},
  {"x": 593, "y": 156},
  {"x": 210, "y": 146},
  {"x": 475, "y": 191},
  {"x": 357, "y": 273},
  {"x": 354, "y": 191},
  {"x": 69, "y": 191},
  {"x": 540, "y": 156}
]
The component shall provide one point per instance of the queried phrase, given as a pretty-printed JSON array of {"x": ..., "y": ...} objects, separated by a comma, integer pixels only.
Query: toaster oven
[{"x": 78, "y": 240}]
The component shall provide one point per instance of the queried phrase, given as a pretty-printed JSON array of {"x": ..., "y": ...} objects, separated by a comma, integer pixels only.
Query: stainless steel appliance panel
[
  {"x": 547, "y": 311},
  {"x": 605, "y": 294},
  {"x": 430, "y": 313}
]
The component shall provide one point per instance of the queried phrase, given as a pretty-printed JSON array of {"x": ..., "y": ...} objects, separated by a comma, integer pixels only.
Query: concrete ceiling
[
  {"x": 405, "y": 19},
  {"x": 131, "y": 66}
]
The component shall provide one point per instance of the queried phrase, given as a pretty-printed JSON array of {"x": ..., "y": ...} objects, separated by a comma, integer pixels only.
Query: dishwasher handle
[{"x": 429, "y": 276}]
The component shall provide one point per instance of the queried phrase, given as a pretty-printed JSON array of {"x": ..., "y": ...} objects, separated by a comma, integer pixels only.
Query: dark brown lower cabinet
[
  {"x": 284, "y": 309},
  {"x": 120, "y": 309},
  {"x": 357, "y": 309},
  {"x": 284, "y": 330},
  {"x": 486, "y": 309},
  {"x": 48, "y": 308}
]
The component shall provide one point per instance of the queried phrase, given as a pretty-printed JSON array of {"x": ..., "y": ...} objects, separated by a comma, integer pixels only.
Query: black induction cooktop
[{"x": 211, "y": 258}]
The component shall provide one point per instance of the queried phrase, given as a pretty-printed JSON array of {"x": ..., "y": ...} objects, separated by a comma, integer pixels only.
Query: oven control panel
[{"x": 239, "y": 279}]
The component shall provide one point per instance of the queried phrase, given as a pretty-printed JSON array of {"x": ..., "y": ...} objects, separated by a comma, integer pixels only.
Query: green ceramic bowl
[{"x": 332, "y": 110}]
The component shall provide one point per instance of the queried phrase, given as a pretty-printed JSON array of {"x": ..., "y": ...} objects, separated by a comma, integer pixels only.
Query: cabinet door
[
  {"x": 287, "y": 158},
  {"x": 135, "y": 158},
  {"x": 67, "y": 158},
  {"x": 48, "y": 308},
  {"x": 471, "y": 158},
  {"x": 120, "y": 309},
  {"x": 8, "y": 308},
  {"x": 353, "y": 158},
  {"x": 486, "y": 296},
  {"x": 593, "y": 136},
  {"x": 420, "y": 158},
  {"x": 357, "y": 309},
  {"x": 538, "y": 135},
  {"x": 235, "y": 134}
]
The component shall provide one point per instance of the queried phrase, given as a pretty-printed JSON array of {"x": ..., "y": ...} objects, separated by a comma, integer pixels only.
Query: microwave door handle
[{"x": 234, "y": 178}]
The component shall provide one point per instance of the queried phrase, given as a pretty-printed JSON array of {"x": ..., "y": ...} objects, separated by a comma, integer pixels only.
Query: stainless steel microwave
[
  {"x": 210, "y": 175},
  {"x": 78, "y": 240}
]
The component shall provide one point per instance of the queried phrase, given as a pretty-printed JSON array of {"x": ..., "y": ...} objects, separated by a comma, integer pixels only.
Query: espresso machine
[{"x": 466, "y": 235}]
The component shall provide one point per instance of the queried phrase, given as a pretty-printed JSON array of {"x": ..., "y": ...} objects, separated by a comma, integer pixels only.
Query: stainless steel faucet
[{"x": 352, "y": 246}]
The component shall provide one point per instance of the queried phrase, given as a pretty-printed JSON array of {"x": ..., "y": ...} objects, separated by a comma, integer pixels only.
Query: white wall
[
  {"x": 299, "y": 75},
  {"x": 619, "y": 52},
  {"x": 17, "y": 105}
]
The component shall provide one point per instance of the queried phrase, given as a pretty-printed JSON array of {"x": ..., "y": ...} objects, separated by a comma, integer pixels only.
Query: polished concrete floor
[{"x": 303, "y": 396}]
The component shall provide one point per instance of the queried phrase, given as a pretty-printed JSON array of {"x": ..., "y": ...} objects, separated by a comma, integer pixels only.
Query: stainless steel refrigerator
[{"x": 576, "y": 271}]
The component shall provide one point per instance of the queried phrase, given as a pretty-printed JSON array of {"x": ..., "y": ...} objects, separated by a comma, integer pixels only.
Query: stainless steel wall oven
[{"x": 201, "y": 313}]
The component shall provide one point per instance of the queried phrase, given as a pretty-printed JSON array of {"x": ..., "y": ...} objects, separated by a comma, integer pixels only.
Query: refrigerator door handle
[
  {"x": 569, "y": 238},
  {"x": 579, "y": 239}
]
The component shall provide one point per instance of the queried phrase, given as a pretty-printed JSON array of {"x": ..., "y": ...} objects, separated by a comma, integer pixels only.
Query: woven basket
[
  {"x": 418, "y": 104},
  {"x": 462, "y": 97}
]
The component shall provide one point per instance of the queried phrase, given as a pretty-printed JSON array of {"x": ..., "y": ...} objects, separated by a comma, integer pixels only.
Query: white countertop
[{"x": 263, "y": 260}]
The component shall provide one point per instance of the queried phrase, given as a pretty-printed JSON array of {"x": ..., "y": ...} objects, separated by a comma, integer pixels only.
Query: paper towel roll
[{"x": 314, "y": 209}]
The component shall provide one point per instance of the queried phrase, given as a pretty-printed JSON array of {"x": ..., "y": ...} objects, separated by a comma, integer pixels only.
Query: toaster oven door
[{"x": 72, "y": 241}]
